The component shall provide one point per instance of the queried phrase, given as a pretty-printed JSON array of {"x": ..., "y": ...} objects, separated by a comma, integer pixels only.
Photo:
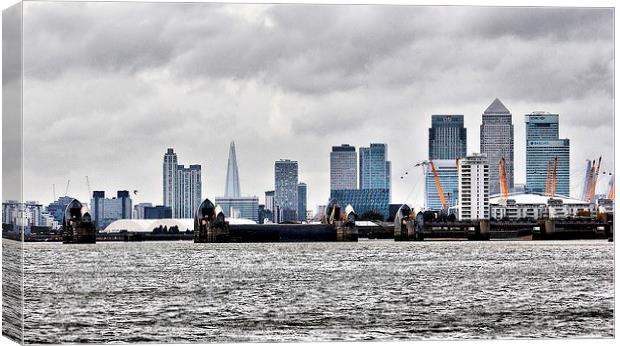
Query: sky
[{"x": 109, "y": 86}]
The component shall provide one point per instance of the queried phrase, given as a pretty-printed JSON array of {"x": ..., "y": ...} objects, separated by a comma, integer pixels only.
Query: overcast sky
[{"x": 109, "y": 86}]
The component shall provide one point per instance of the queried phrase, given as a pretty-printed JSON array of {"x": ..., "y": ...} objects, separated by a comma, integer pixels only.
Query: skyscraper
[
  {"x": 497, "y": 142},
  {"x": 447, "y": 142},
  {"x": 343, "y": 168},
  {"x": 447, "y": 137},
  {"x": 285, "y": 196},
  {"x": 182, "y": 186},
  {"x": 302, "y": 200},
  {"x": 232, "y": 174},
  {"x": 188, "y": 191},
  {"x": 169, "y": 178},
  {"x": 543, "y": 145},
  {"x": 474, "y": 188},
  {"x": 375, "y": 170}
]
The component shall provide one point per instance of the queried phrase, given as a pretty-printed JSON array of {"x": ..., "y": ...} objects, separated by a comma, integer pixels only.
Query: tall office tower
[
  {"x": 375, "y": 170},
  {"x": 232, "y": 174},
  {"x": 125, "y": 204},
  {"x": 343, "y": 168},
  {"x": 474, "y": 188},
  {"x": 107, "y": 210},
  {"x": 169, "y": 178},
  {"x": 96, "y": 204},
  {"x": 269, "y": 200},
  {"x": 543, "y": 145},
  {"x": 188, "y": 191},
  {"x": 285, "y": 196},
  {"x": 448, "y": 178},
  {"x": 447, "y": 137},
  {"x": 497, "y": 142},
  {"x": 302, "y": 201}
]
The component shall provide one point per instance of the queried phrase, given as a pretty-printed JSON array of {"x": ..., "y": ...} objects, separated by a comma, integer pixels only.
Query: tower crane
[
  {"x": 442, "y": 197},
  {"x": 548, "y": 181},
  {"x": 554, "y": 176},
  {"x": 503, "y": 182},
  {"x": 67, "y": 188},
  {"x": 610, "y": 195}
]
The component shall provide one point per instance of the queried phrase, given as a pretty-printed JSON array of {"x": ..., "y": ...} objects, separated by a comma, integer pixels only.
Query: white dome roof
[{"x": 143, "y": 225}]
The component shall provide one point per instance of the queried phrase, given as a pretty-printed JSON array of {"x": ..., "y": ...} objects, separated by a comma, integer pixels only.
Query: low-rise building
[{"x": 537, "y": 206}]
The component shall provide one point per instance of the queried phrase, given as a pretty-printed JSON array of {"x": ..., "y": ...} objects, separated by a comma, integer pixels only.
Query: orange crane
[
  {"x": 548, "y": 182},
  {"x": 594, "y": 180},
  {"x": 554, "y": 176},
  {"x": 611, "y": 189},
  {"x": 503, "y": 182},
  {"x": 444, "y": 205}
]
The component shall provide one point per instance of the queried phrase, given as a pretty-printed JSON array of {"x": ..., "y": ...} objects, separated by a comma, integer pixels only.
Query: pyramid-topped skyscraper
[
  {"x": 497, "y": 142},
  {"x": 232, "y": 174}
]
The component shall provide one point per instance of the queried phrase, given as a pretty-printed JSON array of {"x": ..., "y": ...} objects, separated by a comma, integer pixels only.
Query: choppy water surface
[{"x": 370, "y": 290}]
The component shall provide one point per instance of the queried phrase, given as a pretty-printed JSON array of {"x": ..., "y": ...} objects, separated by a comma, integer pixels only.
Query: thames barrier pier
[
  {"x": 78, "y": 227},
  {"x": 210, "y": 226}
]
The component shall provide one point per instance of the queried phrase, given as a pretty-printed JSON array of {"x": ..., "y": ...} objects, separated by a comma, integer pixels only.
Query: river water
[{"x": 371, "y": 290}]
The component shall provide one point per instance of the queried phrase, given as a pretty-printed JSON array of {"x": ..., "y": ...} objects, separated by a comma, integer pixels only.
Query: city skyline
[{"x": 372, "y": 86}]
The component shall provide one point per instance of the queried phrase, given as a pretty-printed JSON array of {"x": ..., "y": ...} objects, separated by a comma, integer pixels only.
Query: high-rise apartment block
[
  {"x": 474, "y": 188},
  {"x": 182, "y": 186}
]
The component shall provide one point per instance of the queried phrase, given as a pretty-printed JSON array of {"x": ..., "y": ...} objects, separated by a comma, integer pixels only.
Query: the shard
[{"x": 232, "y": 174}]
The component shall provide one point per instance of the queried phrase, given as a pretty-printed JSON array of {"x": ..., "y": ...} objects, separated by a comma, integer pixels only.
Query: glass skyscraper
[
  {"x": 447, "y": 137},
  {"x": 447, "y": 142},
  {"x": 343, "y": 167},
  {"x": 285, "y": 195},
  {"x": 302, "y": 201},
  {"x": 375, "y": 170},
  {"x": 543, "y": 145},
  {"x": 497, "y": 142}
]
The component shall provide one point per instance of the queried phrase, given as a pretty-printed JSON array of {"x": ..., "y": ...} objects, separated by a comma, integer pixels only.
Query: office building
[
  {"x": 138, "y": 210},
  {"x": 375, "y": 169},
  {"x": 106, "y": 210},
  {"x": 364, "y": 200},
  {"x": 233, "y": 188},
  {"x": 343, "y": 168},
  {"x": 157, "y": 212},
  {"x": 448, "y": 178},
  {"x": 302, "y": 200},
  {"x": 57, "y": 208},
  {"x": 473, "y": 180},
  {"x": 543, "y": 146},
  {"x": 497, "y": 142},
  {"x": 239, "y": 207},
  {"x": 447, "y": 137},
  {"x": 285, "y": 195},
  {"x": 269, "y": 200}
]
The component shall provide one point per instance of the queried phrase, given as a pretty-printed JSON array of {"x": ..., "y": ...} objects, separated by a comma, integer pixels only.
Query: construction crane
[
  {"x": 594, "y": 180},
  {"x": 586, "y": 180},
  {"x": 67, "y": 188},
  {"x": 54, "y": 191},
  {"x": 88, "y": 186},
  {"x": 610, "y": 194},
  {"x": 444, "y": 205},
  {"x": 503, "y": 182},
  {"x": 548, "y": 181},
  {"x": 554, "y": 176},
  {"x": 442, "y": 197}
]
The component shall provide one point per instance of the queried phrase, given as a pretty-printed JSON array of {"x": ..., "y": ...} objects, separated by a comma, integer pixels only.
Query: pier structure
[
  {"x": 78, "y": 227},
  {"x": 405, "y": 225},
  {"x": 210, "y": 225}
]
